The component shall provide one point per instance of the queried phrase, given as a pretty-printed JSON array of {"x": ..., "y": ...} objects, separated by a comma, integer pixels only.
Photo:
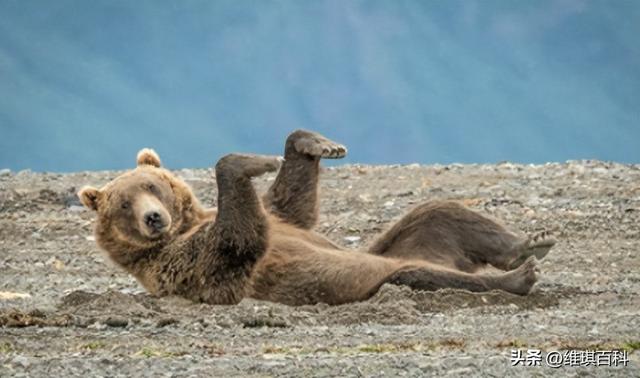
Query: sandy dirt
[{"x": 66, "y": 310}]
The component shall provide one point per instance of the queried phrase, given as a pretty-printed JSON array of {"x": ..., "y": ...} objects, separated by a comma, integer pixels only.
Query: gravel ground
[{"x": 66, "y": 310}]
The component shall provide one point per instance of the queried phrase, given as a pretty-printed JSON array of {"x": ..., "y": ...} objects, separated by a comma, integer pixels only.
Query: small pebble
[
  {"x": 352, "y": 239},
  {"x": 116, "y": 322}
]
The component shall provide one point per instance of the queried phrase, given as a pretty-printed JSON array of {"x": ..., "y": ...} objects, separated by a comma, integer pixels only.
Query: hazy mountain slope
[{"x": 84, "y": 85}]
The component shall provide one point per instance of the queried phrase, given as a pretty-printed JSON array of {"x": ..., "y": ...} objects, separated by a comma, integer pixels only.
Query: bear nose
[{"x": 153, "y": 219}]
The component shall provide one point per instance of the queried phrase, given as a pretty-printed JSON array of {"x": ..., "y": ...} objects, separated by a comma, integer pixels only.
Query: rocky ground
[{"x": 65, "y": 310}]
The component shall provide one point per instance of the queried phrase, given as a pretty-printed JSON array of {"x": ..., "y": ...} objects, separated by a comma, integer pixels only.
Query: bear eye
[
  {"x": 125, "y": 205},
  {"x": 152, "y": 188}
]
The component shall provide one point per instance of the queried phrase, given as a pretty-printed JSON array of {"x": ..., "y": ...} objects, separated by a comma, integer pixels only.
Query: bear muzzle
[
  {"x": 155, "y": 223},
  {"x": 153, "y": 220}
]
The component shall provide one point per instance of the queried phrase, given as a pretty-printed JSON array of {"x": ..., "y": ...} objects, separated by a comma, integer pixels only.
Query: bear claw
[
  {"x": 314, "y": 144},
  {"x": 538, "y": 245}
]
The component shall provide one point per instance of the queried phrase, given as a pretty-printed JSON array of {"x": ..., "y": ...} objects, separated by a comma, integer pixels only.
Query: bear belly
[{"x": 296, "y": 272}]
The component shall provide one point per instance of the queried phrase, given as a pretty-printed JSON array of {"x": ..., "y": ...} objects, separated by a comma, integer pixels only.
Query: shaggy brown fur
[{"x": 151, "y": 224}]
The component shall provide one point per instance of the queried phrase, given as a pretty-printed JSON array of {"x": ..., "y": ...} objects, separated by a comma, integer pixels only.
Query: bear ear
[
  {"x": 88, "y": 195},
  {"x": 147, "y": 156}
]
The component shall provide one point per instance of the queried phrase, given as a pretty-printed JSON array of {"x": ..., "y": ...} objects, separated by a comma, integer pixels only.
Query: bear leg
[
  {"x": 294, "y": 193},
  {"x": 449, "y": 234},
  {"x": 238, "y": 238},
  {"x": 518, "y": 281}
]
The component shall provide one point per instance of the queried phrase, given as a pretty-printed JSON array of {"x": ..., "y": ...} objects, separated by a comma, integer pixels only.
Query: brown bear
[{"x": 151, "y": 224}]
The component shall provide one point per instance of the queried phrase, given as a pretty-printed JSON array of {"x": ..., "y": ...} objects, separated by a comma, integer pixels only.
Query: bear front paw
[
  {"x": 248, "y": 164},
  {"x": 314, "y": 144}
]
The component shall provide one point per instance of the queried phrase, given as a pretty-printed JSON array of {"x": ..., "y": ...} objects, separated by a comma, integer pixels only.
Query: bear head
[{"x": 141, "y": 209}]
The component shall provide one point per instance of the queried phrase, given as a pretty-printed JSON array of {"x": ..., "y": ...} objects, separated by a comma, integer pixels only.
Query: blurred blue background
[{"x": 85, "y": 84}]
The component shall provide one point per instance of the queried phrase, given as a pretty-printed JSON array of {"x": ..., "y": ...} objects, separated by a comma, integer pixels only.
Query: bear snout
[{"x": 153, "y": 220}]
